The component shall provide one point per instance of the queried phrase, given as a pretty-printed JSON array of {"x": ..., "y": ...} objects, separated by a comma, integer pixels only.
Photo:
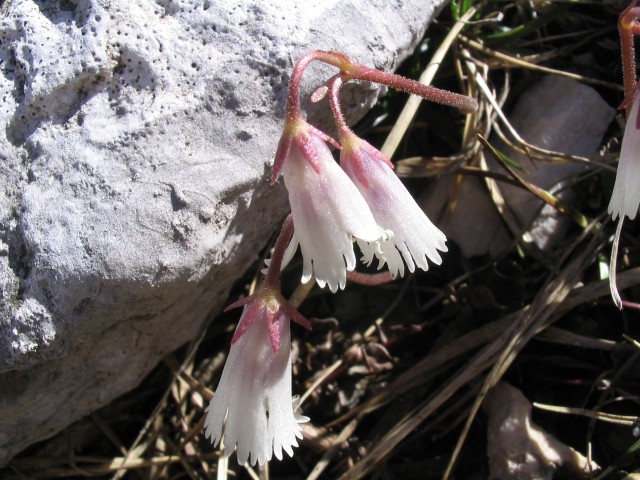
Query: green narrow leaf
[
  {"x": 534, "y": 25},
  {"x": 459, "y": 8}
]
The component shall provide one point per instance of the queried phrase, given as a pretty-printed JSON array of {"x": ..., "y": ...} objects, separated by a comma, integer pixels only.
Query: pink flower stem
[
  {"x": 633, "y": 305},
  {"x": 443, "y": 97},
  {"x": 353, "y": 71},
  {"x": 628, "y": 26},
  {"x": 334, "y": 100},
  {"x": 293, "y": 99},
  {"x": 369, "y": 279},
  {"x": 350, "y": 140},
  {"x": 272, "y": 277}
]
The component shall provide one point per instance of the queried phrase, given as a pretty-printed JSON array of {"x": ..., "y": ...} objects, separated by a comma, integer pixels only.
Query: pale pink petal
[
  {"x": 254, "y": 395},
  {"x": 414, "y": 238},
  {"x": 626, "y": 191},
  {"x": 328, "y": 213}
]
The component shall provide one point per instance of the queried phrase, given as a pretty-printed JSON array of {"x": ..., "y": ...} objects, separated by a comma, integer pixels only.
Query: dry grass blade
[
  {"x": 593, "y": 290},
  {"x": 498, "y": 200},
  {"x": 542, "y": 194},
  {"x": 108, "y": 431},
  {"x": 301, "y": 292},
  {"x": 517, "y": 62},
  {"x": 602, "y": 416},
  {"x": 565, "y": 337},
  {"x": 422, "y": 371},
  {"x": 320, "y": 380},
  {"x": 95, "y": 466},
  {"x": 480, "y": 362},
  {"x": 535, "y": 318},
  {"x": 524, "y": 146},
  {"x": 411, "y": 107},
  {"x": 223, "y": 468},
  {"x": 613, "y": 266},
  {"x": 633, "y": 476},
  {"x": 323, "y": 463},
  {"x": 186, "y": 365}
]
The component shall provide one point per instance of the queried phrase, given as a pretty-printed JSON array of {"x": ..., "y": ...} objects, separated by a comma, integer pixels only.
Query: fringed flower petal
[
  {"x": 328, "y": 214},
  {"x": 414, "y": 237},
  {"x": 251, "y": 410}
]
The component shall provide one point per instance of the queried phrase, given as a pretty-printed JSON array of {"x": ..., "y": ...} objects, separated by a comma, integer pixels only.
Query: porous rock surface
[{"x": 137, "y": 142}]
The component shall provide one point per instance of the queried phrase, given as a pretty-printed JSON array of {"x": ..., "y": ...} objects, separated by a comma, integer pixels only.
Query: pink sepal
[
  {"x": 325, "y": 137},
  {"x": 295, "y": 315},
  {"x": 309, "y": 151},
  {"x": 256, "y": 310},
  {"x": 284, "y": 146},
  {"x": 376, "y": 154},
  {"x": 240, "y": 303},
  {"x": 273, "y": 325},
  {"x": 252, "y": 312}
]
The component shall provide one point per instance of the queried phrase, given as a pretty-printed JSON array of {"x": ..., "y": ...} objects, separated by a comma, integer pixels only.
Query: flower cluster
[
  {"x": 361, "y": 200},
  {"x": 333, "y": 206}
]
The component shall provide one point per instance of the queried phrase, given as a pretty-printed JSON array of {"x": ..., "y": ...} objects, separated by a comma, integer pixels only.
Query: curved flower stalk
[
  {"x": 414, "y": 238},
  {"x": 252, "y": 409},
  {"x": 328, "y": 211}
]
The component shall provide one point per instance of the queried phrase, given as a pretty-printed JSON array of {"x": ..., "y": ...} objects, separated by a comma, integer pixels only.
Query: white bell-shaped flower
[
  {"x": 328, "y": 211},
  {"x": 252, "y": 410},
  {"x": 412, "y": 236}
]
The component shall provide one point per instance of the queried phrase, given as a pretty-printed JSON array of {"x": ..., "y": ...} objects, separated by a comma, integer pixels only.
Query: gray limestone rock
[{"x": 138, "y": 140}]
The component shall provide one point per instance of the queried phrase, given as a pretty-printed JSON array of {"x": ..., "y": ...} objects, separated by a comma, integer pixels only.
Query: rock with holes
[{"x": 137, "y": 142}]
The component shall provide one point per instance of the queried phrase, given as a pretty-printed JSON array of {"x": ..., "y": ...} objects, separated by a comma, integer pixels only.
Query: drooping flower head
[
  {"x": 414, "y": 237},
  {"x": 328, "y": 211},
  {"x": 252, "y": 410}
]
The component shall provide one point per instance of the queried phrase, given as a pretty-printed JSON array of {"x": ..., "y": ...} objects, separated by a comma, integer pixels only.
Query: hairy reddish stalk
[
  {"x": 628, "y": 26},
  {"x": 369, "y": 279},
  {"x": 293, "y": 100},
  {"x": 353, "y": 71},
  {"x": 461, "y": 102},
  {"x": 272, "y": 277}
]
